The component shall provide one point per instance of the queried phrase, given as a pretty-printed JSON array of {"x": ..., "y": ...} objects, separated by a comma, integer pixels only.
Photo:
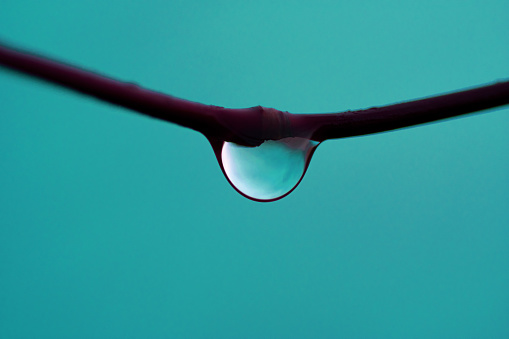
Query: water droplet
[{"x": 267, "y": 172}]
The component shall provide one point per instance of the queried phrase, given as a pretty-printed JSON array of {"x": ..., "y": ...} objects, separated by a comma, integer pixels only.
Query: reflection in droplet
[{"x": 270, "y": 171}]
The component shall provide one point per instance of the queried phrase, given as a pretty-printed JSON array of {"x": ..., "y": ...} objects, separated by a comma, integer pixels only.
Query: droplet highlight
[{"x": 270, "y": 171}]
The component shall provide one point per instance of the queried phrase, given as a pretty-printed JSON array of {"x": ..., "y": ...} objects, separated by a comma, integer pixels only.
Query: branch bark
[
  {"x": 252, "y": 126},
  {"x": 386, "y": 118}
]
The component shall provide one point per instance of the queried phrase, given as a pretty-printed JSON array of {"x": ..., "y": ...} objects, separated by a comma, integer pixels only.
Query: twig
[{"x": 252, "y": 126}]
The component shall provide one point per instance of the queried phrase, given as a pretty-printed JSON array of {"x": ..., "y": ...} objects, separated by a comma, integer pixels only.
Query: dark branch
[
  {"x": 381, "y": 119},
  {"x": 251, "y": 126},
  {"x": 161, "y": 106}
]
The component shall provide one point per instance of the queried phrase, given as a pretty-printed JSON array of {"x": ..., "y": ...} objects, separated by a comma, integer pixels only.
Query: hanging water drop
[{"x": 267, "y": 172}]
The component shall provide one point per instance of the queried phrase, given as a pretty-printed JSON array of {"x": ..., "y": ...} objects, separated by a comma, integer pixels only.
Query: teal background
[{"x": 115, "y": 225}]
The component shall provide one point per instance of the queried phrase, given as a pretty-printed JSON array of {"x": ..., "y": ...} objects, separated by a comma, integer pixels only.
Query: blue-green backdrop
[{"x": 115, "y": 225}]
